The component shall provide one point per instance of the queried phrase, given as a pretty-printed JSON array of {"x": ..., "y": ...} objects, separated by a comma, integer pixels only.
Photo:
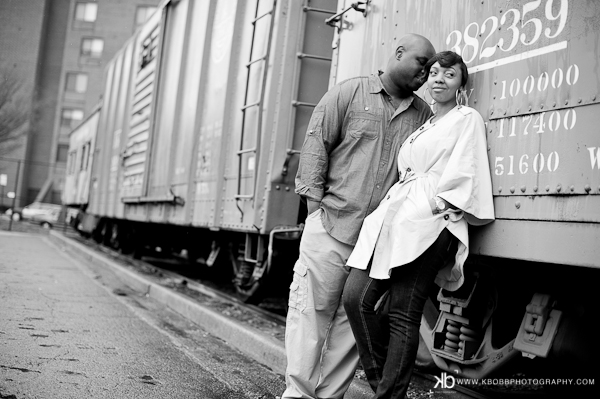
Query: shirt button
[
  {"x": 366, "y": 108},
  {"x": 378, "y": 186},
  {"x": 446, "y": 217}
]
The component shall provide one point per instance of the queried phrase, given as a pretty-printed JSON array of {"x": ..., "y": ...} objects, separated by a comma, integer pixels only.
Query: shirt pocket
[{"x": 364, "y": 125}]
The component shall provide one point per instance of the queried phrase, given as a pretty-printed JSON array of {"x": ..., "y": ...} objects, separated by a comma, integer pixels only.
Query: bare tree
[{"x": 14, "y": 111}]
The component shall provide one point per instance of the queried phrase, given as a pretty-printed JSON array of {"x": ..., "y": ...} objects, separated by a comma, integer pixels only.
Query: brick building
[{"x": 57, "y": 51}]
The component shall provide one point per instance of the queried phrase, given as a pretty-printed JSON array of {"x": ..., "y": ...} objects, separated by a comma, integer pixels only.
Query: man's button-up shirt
[{"x": 348, "y": 160}]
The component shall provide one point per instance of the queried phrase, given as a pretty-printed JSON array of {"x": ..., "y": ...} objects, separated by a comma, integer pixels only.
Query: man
[{"x": 347, "y": 164}]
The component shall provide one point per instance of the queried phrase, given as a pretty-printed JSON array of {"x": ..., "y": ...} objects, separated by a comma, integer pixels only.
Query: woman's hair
[{"x": 448, "y": 59}]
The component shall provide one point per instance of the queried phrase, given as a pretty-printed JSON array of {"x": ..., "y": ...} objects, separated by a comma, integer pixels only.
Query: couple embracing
[{"x": 390, "y": 187}]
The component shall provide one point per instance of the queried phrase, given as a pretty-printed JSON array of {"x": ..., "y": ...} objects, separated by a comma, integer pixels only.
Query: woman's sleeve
[{"x": 466, "y": 182}]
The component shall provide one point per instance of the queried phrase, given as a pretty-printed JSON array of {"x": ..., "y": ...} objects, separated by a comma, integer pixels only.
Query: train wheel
[
  {"x": 246, "y": 281},
  {"x": 138, "y": 251},
  {"x": 106, "y": 234},
  {"x": 250, "y": 293},
  {"x": 99, "y": 231}
]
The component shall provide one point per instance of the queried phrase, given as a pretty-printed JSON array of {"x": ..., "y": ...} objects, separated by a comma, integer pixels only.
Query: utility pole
[
  {"x": 3, "y": 181},
  {"x": 14, "y": 200}
]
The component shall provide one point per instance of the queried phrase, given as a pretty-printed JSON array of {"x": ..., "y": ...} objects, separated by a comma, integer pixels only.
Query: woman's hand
[{"x": 439, "y": 205}]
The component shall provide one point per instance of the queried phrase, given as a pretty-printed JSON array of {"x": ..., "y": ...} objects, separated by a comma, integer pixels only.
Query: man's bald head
[
  {"x": 404, "y": 73},
  {"x": 414, "y": 40}
]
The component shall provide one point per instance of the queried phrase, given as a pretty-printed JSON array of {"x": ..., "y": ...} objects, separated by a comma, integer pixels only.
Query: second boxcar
[{"x": 203, "y": 112}]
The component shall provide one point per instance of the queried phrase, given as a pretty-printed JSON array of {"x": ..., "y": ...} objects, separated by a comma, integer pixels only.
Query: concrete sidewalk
[
  {"x": 253, "y": 342},
  {"x": 72, "y": 329}
]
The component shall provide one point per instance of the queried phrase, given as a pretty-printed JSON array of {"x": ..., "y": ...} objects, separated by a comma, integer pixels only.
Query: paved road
[{"x": 69, "y": 330}]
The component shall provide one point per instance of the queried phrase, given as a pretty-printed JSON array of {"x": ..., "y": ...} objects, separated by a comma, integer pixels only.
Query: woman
[{"x": 418, "y": 235}]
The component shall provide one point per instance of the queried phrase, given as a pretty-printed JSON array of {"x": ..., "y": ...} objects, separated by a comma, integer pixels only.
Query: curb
[{"x": 252, "y": 342}]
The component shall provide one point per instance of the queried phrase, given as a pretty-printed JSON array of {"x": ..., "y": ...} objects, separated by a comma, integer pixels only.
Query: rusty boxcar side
[
  {"x": 221, "y": 114},
  {"x": 202, "y": 112},
  {"x": 535, "y": 79}
]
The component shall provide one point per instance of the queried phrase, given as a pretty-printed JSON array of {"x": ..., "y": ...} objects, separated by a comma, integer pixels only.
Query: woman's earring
[
  {"x": 432, "y": 102},
  {"x": 461, "y": 98}
]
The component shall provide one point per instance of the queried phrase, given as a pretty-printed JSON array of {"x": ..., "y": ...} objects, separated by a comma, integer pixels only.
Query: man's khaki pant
[{"x": 321, "y": 352}]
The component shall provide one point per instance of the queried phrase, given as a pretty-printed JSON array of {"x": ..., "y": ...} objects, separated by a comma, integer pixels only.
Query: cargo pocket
[{"x": 298, "y": 288}]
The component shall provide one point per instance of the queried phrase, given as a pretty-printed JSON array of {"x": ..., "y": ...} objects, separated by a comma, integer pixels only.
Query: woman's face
[{"x": 444, "y": 82}]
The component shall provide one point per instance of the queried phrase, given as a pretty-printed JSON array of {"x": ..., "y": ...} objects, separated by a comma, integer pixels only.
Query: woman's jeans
[{"x": 388, "y": 345}]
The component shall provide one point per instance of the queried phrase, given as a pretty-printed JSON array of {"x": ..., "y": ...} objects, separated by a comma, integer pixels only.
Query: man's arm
[
  {"x": 324, "y": 130},
  {"x": 312, "y": 205}
]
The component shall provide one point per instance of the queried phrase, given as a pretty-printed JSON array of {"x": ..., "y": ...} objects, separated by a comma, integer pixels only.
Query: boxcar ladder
[
  {"x": 258, "y": 103},
  {"x": 290, "y": 151}
]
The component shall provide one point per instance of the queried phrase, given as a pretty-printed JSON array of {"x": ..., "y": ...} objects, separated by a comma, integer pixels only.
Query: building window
[
  {"x": 70, "y": 117},
  {"x": 76, "y": 82},
  {"x": 62, "y": 153},
  {"x": 86, "y": 12},
  {"x": 142, "y": 13},
  {"x": 92, "y": 47}
]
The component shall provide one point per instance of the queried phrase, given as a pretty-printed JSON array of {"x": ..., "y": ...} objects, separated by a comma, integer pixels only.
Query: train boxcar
[
  {"x": 205, "y": 111},
  {"x": 82, "y": 144},
  {"x": 535, "y": 78},
  {"x": 202, "y": 114}
]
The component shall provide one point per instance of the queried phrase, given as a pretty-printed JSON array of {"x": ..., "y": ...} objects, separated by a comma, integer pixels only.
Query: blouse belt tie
[{"x": 410, "y": 175}]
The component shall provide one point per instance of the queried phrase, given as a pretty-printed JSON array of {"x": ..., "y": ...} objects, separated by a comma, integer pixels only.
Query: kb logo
[{"x": 443, "y": 381}]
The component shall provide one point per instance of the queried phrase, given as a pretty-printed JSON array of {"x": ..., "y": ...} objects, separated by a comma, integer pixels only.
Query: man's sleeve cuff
[{"x": 309, "y": 193}]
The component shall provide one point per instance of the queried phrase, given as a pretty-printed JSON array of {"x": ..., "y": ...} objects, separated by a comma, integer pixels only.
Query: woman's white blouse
[{"x": 448, "y": 159}]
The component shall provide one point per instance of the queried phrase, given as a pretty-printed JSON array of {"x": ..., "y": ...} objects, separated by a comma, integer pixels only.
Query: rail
[{"x": 360, "y": 6}]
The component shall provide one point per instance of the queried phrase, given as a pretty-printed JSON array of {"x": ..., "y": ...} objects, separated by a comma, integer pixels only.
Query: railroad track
[{"x": 158, "y": 267}]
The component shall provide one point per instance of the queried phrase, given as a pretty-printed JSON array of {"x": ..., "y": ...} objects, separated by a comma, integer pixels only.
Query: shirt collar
[{"x": 375, "y": 86}]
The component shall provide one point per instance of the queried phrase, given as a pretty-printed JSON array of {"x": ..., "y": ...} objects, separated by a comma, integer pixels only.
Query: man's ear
[{"x": 399, "y": 52}]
